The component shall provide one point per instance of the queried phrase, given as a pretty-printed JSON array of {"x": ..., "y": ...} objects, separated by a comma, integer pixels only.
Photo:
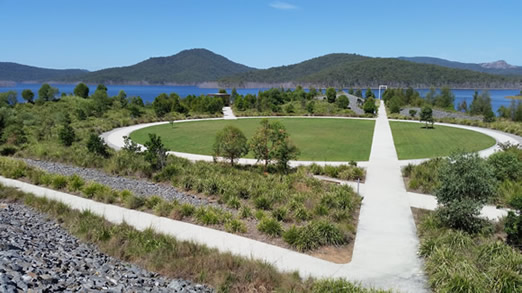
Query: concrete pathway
[
  {"x": 228, "y": 114},
  {"x": 385, "y": 251}
]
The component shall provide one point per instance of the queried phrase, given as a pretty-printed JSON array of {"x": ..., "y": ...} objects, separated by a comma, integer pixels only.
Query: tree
[
  {"x": 413, "y": 112},
  {"x": 67, "y": 135},
  {"x": 446, "y": 99},
  {"x": 8, "y": 99},
  {"x": 342, "y": 102},
  {"x": 28, "y": 96},
  {"x": 358, "y": 93},
  {"x": 96, "y": 145},
  {"x": 463, "y": 107},
  {"x": 122, "y": 98},
  {"x": 155, "y": 154},
  {"x": 231, "y": 144},
  {"x": 350, "y": 91},
  {"x": 426, "y": 115},
  {"x": 271, "y": 142},
  {"x": 466, "y": 184},
  {"x": 46, "y": 93},
  {"x": 395, "y": 104},
  {"x": 369, "y": 93},
  {"x": 162, "y": 105},
  {"x": 81, "y": 90},
  {"x": 369, "y": 106},
  {"x": 331, "y": 95}
]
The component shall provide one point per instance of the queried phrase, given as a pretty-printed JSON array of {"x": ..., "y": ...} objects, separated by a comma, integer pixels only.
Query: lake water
[{"x": 148, "y": 93}]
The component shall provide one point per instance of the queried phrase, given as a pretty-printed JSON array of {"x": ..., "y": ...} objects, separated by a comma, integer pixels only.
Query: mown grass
[
  {"x": 173, "y": 258},
  {"x": 412, "y": 141},
  {"x": 317, "y": 138},
  {"x": 459, "y": 262}
]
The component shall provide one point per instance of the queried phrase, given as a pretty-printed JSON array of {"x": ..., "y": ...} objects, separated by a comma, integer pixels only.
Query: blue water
[{"x": 148, "y": 93}]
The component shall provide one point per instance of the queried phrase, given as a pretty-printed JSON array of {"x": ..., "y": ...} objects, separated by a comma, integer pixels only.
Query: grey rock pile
[
  {"x": 437, "y": 114},
  {"x": 139, "y": 187},
  {"x": 38, "y": 255}
]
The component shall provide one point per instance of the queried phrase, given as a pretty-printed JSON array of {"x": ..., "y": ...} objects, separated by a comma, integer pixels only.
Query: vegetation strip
[
  {"x": 164, "y": 254},
  {"x": 304, "y": 234}
]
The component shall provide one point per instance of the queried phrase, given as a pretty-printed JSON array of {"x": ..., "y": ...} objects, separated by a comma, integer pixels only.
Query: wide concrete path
[{"x": 385, "y": 251}]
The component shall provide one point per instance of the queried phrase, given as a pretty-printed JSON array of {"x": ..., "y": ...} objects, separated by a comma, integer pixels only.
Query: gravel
[
  {"x": 38, "y": 255},
  {"x": 139, "y": 187},
  {"x": 440, "y": 114}
]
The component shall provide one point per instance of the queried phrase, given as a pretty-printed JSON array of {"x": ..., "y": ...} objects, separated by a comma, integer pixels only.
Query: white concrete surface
[
  {"x": 385, "y": 251},
  {"x": 228, "y": 114},
  {"x": 429, "y": 202}
]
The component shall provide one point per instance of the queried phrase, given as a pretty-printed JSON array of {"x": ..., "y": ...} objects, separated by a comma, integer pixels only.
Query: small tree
[
  {"x": 155, "y": 154},
  {"x": 369, "y": 93},
  {"x": 413, "y": 112},
  {"x": 96, "y": 145},
  {"x": 358, "y": 93},
  {"x": 66, "y": 133},
  {"x": 369, "y": 106},
  {"x": 331, "y": 95},
  {"x": 81, "y": 90},
  {"x": 342, "y": 102},
  {"x": 271, "y": 142},
  {"x": 231, "y": 144},
  {"x": 46, "y": 93},
  {"x": 426, "y": 115},
  {"x": 467, "y": 183},
  {"x": 28, "y": 96}
]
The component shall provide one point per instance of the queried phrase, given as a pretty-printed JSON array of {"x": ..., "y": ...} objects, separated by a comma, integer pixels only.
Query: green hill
[
  {"x": 346, "y": 70},
  {"x": 187, "y": 67},
  {"x": 499, "y": 67},
  {"x": 17, "y": 72}
]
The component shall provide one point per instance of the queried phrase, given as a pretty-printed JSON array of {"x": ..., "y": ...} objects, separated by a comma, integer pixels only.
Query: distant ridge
[
  {"x": 497, "y": 67},
  {"x": 350, "y": 70},
  {"x": 206, "y": 69},
  {"x": 187, "y": 67},
  {"x": 15, "y": 72}
]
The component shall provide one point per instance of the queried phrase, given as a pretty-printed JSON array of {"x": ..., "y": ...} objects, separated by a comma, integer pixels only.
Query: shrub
[
  {"x": 75, "y": 183},
  {"x": 187, "y": 210},
  {"x": 91, "y": 189},
  {"x": 506, "y": 166},
  {"x": 97, "y": 146},
  {"x": 234, "y": 203},
  {"x": 59, "y": 182},
  {"x": 235, "y": 225},
  {"x": 466, "y": 185},
  {"x": 413, "y": 112},
  {"x": 208, "y": 216},
  {"x": 270, "y": 226},
  {"x": 152, "y": 201},
  {"x": 231, "y": 144},
  {"x": 8, "y": 150},
  {"x": 280, "y": 214},
  {"x": 134, "y": 202},
  {"x": 163, "y": 208},
  {"x": 245, "y": 212},
  {"x": 263, "y": 202}
]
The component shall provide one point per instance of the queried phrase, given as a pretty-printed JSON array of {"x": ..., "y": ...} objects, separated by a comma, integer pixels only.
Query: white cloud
[{"x": 282, "y": 5}]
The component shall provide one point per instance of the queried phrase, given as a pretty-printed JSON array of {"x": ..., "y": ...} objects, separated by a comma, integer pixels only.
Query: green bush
[
  {"x": 134, "y": 202},
  {"x": 314, "y": 235},
  {"x": 245, "y": 212},
  {"x": 59, "y": 182},
  {"x": 75, "y": 183},
  {"x": 187, "y": 210},
  {"x": 163, "y": 208},
  {"x": 208, "y": 216},
  {"x": 270, "y": 226},
  {"x": 506, "y": 166},
  {"x": 152, "y": 201},
  {"x": 235, "y": 225}
]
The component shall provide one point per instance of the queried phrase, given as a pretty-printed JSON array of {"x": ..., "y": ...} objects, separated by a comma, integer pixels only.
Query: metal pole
[{"x": 358, "y": 181}]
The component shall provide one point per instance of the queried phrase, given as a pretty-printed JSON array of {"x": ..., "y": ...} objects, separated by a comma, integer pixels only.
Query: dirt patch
[{"x": 419, "y": 214}]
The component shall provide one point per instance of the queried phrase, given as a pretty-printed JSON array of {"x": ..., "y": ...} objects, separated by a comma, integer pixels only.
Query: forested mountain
[
  {"x": 346, "y": 70},
  {"x": 498, "y": 67},
  {"x": 17, "y": 72},
  {"x": 187, "y": 67}
]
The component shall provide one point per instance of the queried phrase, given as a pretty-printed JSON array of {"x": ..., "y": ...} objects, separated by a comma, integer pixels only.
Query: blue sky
[{"x": 98, "y": 34}]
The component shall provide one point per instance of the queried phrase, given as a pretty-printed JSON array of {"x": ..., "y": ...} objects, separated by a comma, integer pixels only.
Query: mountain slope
[
  {"x": 186, "y": 67},
  {"x": 498, "y": 67},
  {"x": 17, "y": 72},
  {"x": 345, "y": 70}
]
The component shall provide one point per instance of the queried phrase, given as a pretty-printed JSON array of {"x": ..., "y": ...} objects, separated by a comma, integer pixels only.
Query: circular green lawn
[
  {"x": 412, "y": 141},
  {"x": 318, "y": 139}
]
